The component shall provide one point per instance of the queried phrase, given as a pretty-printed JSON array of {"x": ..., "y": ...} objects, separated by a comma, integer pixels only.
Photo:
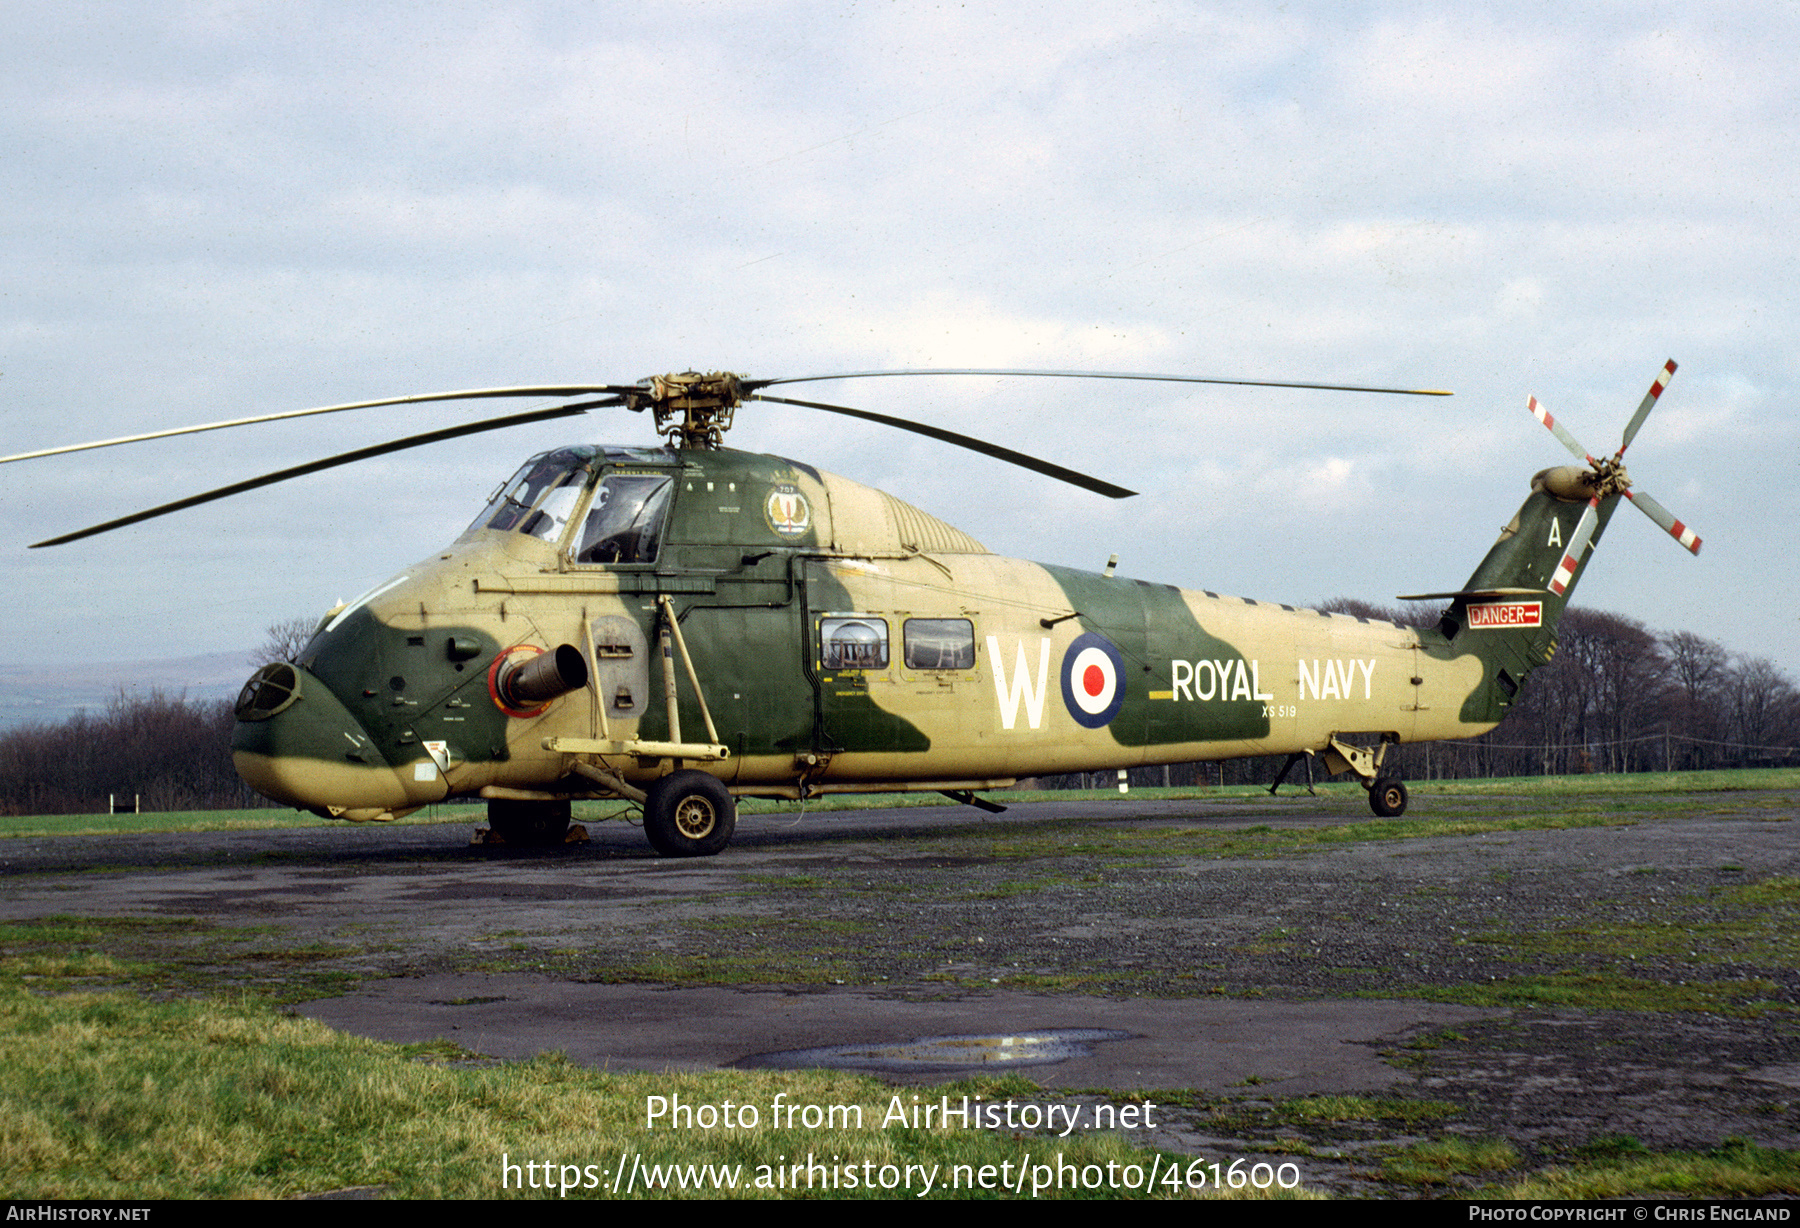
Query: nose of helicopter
[{"x": 297, "y": 743}]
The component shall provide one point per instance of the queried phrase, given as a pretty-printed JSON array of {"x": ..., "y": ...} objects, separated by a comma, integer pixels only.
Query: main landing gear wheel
[
  {"x": 529, "y": 823},
  {"x": 1387, "y": 798},
  {"x": 689, "y": 814}
]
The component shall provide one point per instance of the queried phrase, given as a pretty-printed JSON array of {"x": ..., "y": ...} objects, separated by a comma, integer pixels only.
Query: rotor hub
[
  {"x": 693, "y": 410},
  {"x": 1610, "y": 477}
]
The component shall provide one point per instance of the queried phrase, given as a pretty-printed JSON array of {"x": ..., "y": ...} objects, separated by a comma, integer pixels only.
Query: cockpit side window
[
  {"x": 539, "y": 497},
  {"x": 624, "y": 521},
  {"x": 553, "y": 510}
]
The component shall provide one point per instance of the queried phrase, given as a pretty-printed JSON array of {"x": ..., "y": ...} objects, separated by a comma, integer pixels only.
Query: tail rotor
[{"x": 1609, "y": 477}]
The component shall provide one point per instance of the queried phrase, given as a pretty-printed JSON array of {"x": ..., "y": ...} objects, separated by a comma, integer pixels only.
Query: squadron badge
[{"x": 787, "y": 511}]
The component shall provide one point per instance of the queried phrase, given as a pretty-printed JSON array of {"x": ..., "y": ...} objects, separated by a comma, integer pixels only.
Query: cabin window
[
  {"x": 624, "y": 522},
  {"x": 853, "y": 643},
  {"x": 939, "y": 643}
]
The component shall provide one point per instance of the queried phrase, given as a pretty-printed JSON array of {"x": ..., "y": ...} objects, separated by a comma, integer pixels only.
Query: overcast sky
[{"x": 219, "y": 209}]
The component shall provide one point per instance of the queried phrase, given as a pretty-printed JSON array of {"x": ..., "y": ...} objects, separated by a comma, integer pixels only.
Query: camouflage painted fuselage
[{"x": 841, "y": 639}]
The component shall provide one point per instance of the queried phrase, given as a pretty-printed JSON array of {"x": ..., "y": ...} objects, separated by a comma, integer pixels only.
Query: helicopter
[{"x": 684, "y": 625}]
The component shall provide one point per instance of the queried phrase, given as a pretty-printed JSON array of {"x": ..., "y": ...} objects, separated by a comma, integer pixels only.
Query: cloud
[{"x": 224, "y": 208}]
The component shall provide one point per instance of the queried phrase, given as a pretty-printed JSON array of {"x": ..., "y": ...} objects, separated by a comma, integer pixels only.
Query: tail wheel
[
  {"x": 1387, "y": 798},
  {"x": 689, "y": 814}
]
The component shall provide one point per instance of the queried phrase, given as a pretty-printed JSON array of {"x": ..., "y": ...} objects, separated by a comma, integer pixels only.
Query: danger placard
[{"x": 1507, "y": 614}]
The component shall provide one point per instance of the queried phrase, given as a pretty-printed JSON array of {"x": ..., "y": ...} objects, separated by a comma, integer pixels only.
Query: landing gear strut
[{"x": 1387, "y": 795}]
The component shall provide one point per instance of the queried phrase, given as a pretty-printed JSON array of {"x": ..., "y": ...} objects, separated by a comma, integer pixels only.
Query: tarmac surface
[{"x": 1214, "y": 957}]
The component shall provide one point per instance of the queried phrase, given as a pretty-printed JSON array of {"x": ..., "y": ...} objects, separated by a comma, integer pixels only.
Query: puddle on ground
[{"x": 983, "y": 1051}]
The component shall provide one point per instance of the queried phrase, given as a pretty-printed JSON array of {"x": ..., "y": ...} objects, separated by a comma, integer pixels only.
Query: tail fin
[
  {"x": 1508, "y": 610},
  {"x": 1507, "y": 613}
]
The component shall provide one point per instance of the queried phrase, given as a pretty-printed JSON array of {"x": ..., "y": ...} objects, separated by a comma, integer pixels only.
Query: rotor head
[{"x": 693, "y": 410}]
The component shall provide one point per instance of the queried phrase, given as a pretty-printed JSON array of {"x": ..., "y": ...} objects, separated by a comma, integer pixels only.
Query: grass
[
  {"x": 1748, "y": 780},
  {"x": 1749, "y": 998},
  {"x": 1734, "y": 1169},
  {"x": 159, "y": 957},
  {"x": 1128, "y": 841},
  {"x": 1334, "y": 1109},
  {"x": 118, "y": 1080},
  {"x": 1444, "y": 1161},
  {"x": 109, "y": 1096},
  {"x": 1656, "y": 964}
]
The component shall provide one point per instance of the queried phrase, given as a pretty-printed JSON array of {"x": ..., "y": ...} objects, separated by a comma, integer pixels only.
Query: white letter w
[{"x": 1021, "y": 684}]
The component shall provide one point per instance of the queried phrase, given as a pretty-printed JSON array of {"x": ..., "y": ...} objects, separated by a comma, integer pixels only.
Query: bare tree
[
  {"x": 1765, "y": 710},
  {"x": 1411, "y": 614},
  {"x": 285, "y": 640},
  {"x": 172, "y": 753},
  {"x": 1699, "y": 671}
]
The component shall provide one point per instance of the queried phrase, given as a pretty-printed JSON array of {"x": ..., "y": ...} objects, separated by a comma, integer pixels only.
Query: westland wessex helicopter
[{"x": 684, "y": 625}]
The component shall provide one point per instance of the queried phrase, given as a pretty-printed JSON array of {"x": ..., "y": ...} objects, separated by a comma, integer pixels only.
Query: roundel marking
[{"x": 1093, "y": 680}]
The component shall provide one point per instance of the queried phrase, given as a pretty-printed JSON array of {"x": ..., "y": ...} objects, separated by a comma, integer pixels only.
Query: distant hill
[{"x": 52, "y": 692}]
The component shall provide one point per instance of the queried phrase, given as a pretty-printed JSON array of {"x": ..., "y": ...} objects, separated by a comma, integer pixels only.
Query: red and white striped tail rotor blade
[
  {"x": 1571, "y": 563},
  {"x": 1568, "y": 441},
  {"x": 1689, "y": 540},
  {"x": 1643, "y": 411}
]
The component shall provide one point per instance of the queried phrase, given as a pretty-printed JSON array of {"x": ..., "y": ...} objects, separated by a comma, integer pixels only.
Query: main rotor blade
[
  {"x": 1169, "y": 379},
  {"x": 473, "y": 394},
  {"x": 1674, "y": 528},
  {"x": 1643, "y": 410},
  {"x": 974, "y": 445},
  {"x": 346, "y": 458},
  {"x": 1568, "y": 441}
]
